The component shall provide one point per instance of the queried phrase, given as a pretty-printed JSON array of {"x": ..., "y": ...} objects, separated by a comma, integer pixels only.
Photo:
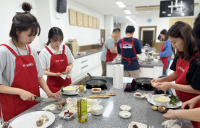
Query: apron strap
[
  {"x": 11, "y": 50},
  {"x": 105, "y": 44},
  {"x": 194, "y": 56},
  {"x": 63, "y": 52},
  {"x": 29, "y": 49},
  {"x": 49, "y": 51}
]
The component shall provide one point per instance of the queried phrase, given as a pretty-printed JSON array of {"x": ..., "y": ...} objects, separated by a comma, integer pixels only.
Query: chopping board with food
[{"x": 55, "y": 107}]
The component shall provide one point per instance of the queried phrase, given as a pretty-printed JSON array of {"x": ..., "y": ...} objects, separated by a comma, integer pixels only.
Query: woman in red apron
[
  {"x": 20, "y": 69},
  {"x": 186, "y": 69},
  {"x": 56, "y": 59},
  {"x": 165, "y": 52}
]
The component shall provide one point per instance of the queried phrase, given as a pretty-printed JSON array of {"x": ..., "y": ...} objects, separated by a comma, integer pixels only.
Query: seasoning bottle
[{"x": 81, "y": 105}]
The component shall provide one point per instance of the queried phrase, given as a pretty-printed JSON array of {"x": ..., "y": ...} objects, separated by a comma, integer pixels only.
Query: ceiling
[{"x": 109, "y": 7}]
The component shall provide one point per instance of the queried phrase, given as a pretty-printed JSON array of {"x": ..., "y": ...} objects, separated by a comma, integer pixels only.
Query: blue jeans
[{"x": 165, "y": 71}]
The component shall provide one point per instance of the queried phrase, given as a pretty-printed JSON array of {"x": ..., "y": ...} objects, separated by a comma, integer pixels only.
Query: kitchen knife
[{"x": 40, "y": 99}]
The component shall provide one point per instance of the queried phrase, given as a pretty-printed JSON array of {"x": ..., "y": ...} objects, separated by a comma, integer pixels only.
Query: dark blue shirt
[{"x": 128, "y": 52}]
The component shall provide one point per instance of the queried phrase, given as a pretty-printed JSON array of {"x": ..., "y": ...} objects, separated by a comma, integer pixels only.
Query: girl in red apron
[
  {"x": 56, "y": 59},
  {"x": 20, "y": 69},
  {"x": 165, "y": 52},
  {"x": 186, "y": 69}
]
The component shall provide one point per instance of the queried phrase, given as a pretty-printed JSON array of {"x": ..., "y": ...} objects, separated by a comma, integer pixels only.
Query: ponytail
[{"x": 55, "y": 34}]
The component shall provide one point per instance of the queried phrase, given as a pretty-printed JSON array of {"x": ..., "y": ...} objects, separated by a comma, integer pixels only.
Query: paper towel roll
[{"x": 118, "y": 73}]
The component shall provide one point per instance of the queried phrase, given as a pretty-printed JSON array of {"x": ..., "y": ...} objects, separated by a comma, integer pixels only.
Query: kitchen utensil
[
  {"x": 98, "y": 96},
  {"x": 161, "y": 103},
  {"x": 142, "y": 95},
  {"x": 41, "y": 99},
  {"x": 95, "y": 83},
  {"x": 144, "y": 83}
]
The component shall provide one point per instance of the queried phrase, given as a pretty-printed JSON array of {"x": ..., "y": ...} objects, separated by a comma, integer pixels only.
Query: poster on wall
[
  {"x": 79, "y": 19},
  {"x": 90, "y": 22},
  {"x": 85, "y": 20},
  {"x": 72, "y": 17},
  {"x": 176, "y": 8}
]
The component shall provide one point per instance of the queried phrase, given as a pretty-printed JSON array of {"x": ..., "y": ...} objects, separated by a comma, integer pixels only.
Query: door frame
[
  {"x": 143, "y": 36},
  {"x": 140, "y": 28}
]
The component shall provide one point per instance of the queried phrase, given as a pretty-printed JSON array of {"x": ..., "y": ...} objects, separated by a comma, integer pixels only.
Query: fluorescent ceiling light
[
  {"x": 128, "y": 17},
  {"x": 131, "y": 20},
  {"x": 120, "y": 4},
  {"x": 127, "y": 11}
]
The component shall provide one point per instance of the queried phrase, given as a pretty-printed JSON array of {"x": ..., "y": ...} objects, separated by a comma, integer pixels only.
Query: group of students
[
  {"x": 185, "y": 43},
  {"x": 22, "y": 70}
]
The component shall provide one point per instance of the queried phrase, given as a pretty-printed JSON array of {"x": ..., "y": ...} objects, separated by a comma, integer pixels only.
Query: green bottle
[{"x": 82, "y": 105}]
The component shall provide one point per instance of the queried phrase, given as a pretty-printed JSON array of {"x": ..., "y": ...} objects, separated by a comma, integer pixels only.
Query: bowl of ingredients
[
  {"x": 69, "y": 90},
  {"x": 125, "y": 108},
  {"x": 125, "y": 114},
  {"x": 96, "y": 90},
  {"x": 97, "y": 110},
  {"x": 67, "y": 114},
  {"x": 160, "y": 100}
]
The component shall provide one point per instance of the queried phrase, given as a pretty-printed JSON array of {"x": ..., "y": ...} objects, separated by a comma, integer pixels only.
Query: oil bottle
[{"x": 82, "y": 105}]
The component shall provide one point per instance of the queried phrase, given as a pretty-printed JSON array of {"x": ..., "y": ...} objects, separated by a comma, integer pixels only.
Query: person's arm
[
  {"x": 69, "y": 67},
  {"x": 170, "y": 78},
  {"x": 114, "y": 50},
  {"x": 191, "y": 114},
  {"x": 44, "y": 86},
  {"x": 51, "y": 73},
  {"x": 184, "y": 88},
  {"x": 111, "y": 45}
]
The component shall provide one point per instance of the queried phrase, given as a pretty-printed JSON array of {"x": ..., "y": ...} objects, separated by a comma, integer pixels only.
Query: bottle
[{"x": 82, "y": 105}]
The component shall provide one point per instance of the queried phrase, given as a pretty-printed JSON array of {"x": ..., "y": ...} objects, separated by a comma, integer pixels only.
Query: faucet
[{"x": 147, "y": 45}]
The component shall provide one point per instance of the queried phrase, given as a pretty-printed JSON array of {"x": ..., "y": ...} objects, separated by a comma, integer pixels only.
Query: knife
[{"x": 40, "y": 99}]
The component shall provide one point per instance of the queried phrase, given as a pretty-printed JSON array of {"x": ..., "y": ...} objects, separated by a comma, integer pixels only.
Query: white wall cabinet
[{"x": 146, "y": 72}]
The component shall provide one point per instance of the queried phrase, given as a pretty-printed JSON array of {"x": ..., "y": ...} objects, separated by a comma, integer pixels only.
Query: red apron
[
  {"x": 110, "y": 56},
  {"x": 164, "y": 59},
  {"x": 26, "y": 78},
  {"x": 59, "y": 64},
  {"x": 182, "y": 67},
  {"x": 128, "y": 59}
]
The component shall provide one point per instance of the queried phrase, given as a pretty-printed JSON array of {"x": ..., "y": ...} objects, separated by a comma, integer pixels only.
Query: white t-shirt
[
  {"x": 7, "y": 63},
  {"x": 45, "y": 56}
]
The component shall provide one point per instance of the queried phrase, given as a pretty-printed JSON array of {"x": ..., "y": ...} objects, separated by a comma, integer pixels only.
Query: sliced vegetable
[
  {"x": 62, "y": 88},
  {"x": 174, "y": 100}
]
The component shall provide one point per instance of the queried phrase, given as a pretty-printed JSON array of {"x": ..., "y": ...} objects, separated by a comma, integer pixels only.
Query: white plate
[
  {"x": 140, "y": 125},
  {"x": 125, "y": 114},
  {"x": 29, "y": 120},
  {"x": 178, "y": 105},
  {"x": 73, "y": 93},
  {"x": 125, "y": 108}
]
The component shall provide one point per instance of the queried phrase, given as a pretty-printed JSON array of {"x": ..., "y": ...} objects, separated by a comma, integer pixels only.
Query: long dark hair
[
  {"x": 55, "y": 34},
  {"x": 184, "y": 31},
  {"x": 164, "y": 32},
  {"x": 196, "y": 33},
  {"x": 23, "y": 21}
]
